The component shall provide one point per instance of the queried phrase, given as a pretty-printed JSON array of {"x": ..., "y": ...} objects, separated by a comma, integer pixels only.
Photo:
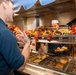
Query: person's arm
[
  {"x": 25, "y": 53},
  {"x": 26, "y": 50},
  {"x": 10, "y": 50}
]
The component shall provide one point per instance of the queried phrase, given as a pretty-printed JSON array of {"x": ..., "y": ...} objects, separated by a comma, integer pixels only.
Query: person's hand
[{"x": 23, "y": 37}]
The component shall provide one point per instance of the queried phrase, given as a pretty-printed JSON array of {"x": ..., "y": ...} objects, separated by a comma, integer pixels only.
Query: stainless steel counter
[{"x": 38, "y": 70}]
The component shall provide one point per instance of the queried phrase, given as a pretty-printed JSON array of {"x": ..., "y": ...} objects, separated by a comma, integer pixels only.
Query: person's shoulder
[
  {"x": 7, "y": 37},
  {"x": 7, "y": 33}
]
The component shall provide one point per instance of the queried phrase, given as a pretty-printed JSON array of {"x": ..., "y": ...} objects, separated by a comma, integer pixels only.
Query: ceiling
[{"x": 59, "y": 6}]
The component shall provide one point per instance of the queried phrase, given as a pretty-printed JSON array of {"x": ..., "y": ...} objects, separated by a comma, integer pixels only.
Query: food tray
[
  {"x": 38, "y": 58},
  {"x": 57, "y": 63},
  {"x": 72, "y": 70},
  {"x": 32, "y": 57}
]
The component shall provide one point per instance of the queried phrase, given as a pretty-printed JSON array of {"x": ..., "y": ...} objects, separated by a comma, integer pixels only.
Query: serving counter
[
  {"x": 38, "y": 70},
  {"x": 60, "y": 66},
  {"x": 40, "y": 67}
]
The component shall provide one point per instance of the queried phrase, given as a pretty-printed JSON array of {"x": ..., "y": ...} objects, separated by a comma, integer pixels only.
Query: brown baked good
[
  {"x": 64, "y": 47},
  {"x": 37, "y": 60},
  {"x": 51, "y": 63},
  {"x": 63, "y": 61},
  {"x": 59, "y": 65}
]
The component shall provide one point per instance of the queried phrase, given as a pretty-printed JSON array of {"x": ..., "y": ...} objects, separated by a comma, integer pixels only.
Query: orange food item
[{"x": 14, "y": 29}]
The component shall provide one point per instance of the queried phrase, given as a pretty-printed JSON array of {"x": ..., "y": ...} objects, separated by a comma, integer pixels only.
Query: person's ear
[{"x": 4, "y": 5}]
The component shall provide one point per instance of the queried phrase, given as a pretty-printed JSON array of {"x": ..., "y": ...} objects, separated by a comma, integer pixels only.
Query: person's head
[
  {"x": 41, "y": 45},
  {"x": 55, "y": 24},
  {"x": 6, "y": 10}
]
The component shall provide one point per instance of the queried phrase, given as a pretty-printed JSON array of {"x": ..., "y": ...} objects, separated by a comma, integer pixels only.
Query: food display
[
  {"x": 59, "y": 65},
  {"x": 14, "y": 29},
  {"x": 38, "y": 58},
  {"x": 61, "y": 49},
  {"x": 45, "y": 31},
  {"x": 55, "y": 62},
  {"x": 58, "y": 62},
  {"x": 73, "y": 29},
  {"x": 32, "y": 58},
  {"x": 63, "y": 61},
  {"x": 39, "y": 31},
  {"x": 57, "y": 32},
  {"x": 51, "y": 63}
]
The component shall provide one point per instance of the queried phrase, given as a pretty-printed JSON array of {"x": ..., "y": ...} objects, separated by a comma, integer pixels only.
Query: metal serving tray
[
  {"x": 36, "y": 59},
  {"x": 56, "y": 63},
  {"x": 72, "y": 67}
]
